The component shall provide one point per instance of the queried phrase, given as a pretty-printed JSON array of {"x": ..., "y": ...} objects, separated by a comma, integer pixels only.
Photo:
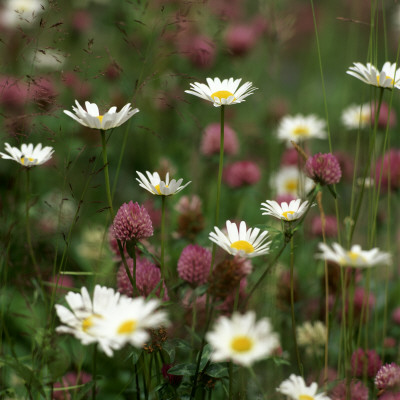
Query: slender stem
[
  {"x": 221, "y": 165},
  {"x": 94, "y": 371},
  {"x": 106, "y": 175},
  {"x": 162, "y": 237},
  {"x": 230, "y": 370},
  {"x": 28, "y": 225},
  {"x": 299, "y": 364}
]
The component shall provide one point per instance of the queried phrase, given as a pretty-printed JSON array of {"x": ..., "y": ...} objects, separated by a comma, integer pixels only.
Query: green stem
[
  {"x": 28, "y": 226},
  {"x": 106, "y": 175},
  {"x": 230, "y": 369},
  {"x": 162, "y": 266},
  {"x": 94, "y": 371},
  {"x": 299, "y": 364},
  {"x": 221, "y": 165}
]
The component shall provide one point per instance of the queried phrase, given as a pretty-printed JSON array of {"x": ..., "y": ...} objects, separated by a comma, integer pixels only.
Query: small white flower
[
  {"x": 222, "y": 93},
  {"x": 241, "y": 339},
  {"x": 243, "y": 242},
  {"x": 296, "y": 389},
  {"x": 357, "y": 116},
  {"x": 290, "y": 181},
  {"x": 295, "y": 210},
  {"x": 299, "y": 127},
  {"x": 111, "y": 320},
  {"x": 312, "y": 336},
  {"x": 21, "y": 12},
  {"x": 156, "y": 186},
  {"x": 388, "y": 78},
  {"x": 355, "y": 257},
  {"x": 92, "y": 118},
  {"x": 28, "y": 156},
  {"x": 48, "y": 59}
]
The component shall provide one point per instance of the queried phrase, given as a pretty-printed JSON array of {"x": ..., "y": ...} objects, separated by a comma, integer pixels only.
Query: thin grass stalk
[
  {"x": 106, "y": 174},
  {"x": 27, "y": 222},
  {"x": 94, "y": 369},
  {"x": 230, "y": 371},
  {"x": 162, "y": 266}
]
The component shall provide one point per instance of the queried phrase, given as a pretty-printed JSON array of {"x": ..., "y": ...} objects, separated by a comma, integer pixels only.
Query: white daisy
[
  {"x": 21, "y": 12},
  {"x": 241, "y": 339},
  {"x": 92, "y": 118},
  {"x": 357, "y": 116},
  {"x": 156, "y": 186},
  {"x": 222, "y": 93},
  {"x": 243, "y": 242},
  {"x": 111, "y": 320},
  {"x": 389, "y": 77},
  {"x": 355, "y": 257},
  {"x": 300, "y": 127},
  {"x": 296, "y": 389},
  {"x": 290, "y": 181},
  {"x": 295, "y": 209},
  {"x": 312, "y": 336},
  {"x": 28, "y": 156}
]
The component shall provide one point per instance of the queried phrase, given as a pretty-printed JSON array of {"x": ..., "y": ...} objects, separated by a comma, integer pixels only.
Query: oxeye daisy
[
  {"x": 92, "y": 118},
  {"x": 286, "y": 212},
  {"x": 28, "y": 156},
  {"x": 299, "y": 127},
  {"x": 222, "y": 93},
  {"x": 155, "y": 185},
  {"x": 241, "y": 339},
  {"x": 388, "y": 77},
  {"x": 296, "y": 389},
  {"x": 243, "y": 242},
  {"x": 355, "y": 257},
  {"x": 356, "y": 116},
  {"x": 290, "y": 181}
]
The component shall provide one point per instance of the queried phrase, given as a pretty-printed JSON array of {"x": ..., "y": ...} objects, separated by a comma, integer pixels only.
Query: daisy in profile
[
  {"x": 243, "y": 242},
  {"x": 388, "y": 77},
  {"x": 155, "y": 185},
  {"x": 299, "y": 127},
  {"x": 92, "y": 118},
  {"x": 355, "y": 257},
  {"x": 28, "y": 156},
  {"x": 290, "y": 181},
  {"x": 241, "y": 339},
  {"x": 295, "y": 388},
  {"x": 222, "y": 93},
  {"x": 286, "y": 212},
  {"x": 111, "y": 319},
  {"x": 356, "y": 116}
]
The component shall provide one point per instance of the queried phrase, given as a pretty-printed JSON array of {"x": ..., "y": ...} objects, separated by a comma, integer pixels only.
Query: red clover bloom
[{"x": 323, "y": 169}]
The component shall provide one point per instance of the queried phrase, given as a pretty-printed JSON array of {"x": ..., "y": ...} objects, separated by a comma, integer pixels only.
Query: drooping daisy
[
  {"x": 243, "y": 242},
  {"x": 290, "y": 181},
  {"x": 355, "y": 257},
  {"x": 155, "y": 185},
  {"x": 389, "y": 77},
  {"x": 222, "y": 93},
  {"x": 92, "y": 118},
  {"x": 295, "y": 210},
  {"x": 28, "y": 156},
  {"x": 296, "y": 389},
  {"x": 356, "y": 116},
  {"x": 241, "y": 339},
  {"x": 299, "y": 127}
]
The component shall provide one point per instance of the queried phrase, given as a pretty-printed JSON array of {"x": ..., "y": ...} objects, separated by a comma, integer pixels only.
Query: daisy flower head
[
  {"x": 357, "y": 116},
  {"x": 82, "y": 318},
  {"x": 355, "y": 257},
  {"x": 299, "y": 127},
  {"x": 388, "y": 77},
  {"x": 155, "y": 185},
  {"x": 91, "y": 117},
  {"x": 28, "y": 156},
  {"x": 222, "y": 93},
  {"x": 295, "y": 388},
  {"x": 244, "y": 242},
  {"x": 241, "y": 339},
  {"x": 286, "y": 212},
  {"x": 290, "y": 181}
]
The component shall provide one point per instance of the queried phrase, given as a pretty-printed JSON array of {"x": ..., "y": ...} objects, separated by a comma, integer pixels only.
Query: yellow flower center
[
  {"x": 305, "y": 397},
  {"x": 386, "y": 77},
  {"x": 285, "y": 213},
  {"x": 30, "y": 160},
  {"x": 158, "y": 188},
  {"x": 291, "y": 185},
  {"x": 127, "y": 327},
  {"x": 243, "y": 245},
  {"x": 241, "y": 344},
  {"x": 222, "y": 94},
  {"x": 301, "y": 131},
  {"x": 100, "y": 117}
]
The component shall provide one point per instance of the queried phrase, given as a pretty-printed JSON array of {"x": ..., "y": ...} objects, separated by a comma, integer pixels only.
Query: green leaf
[
  {"x": 280, "y": 361},
  {"x": 217, "y": 371},
  {"x": 205, "y": 356},
  {"x": 185, "y": 369},
  {"x": 170, "y": 350},
  {"x": 135, "y": 354},
  {"x": 182, "y": 344}
]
